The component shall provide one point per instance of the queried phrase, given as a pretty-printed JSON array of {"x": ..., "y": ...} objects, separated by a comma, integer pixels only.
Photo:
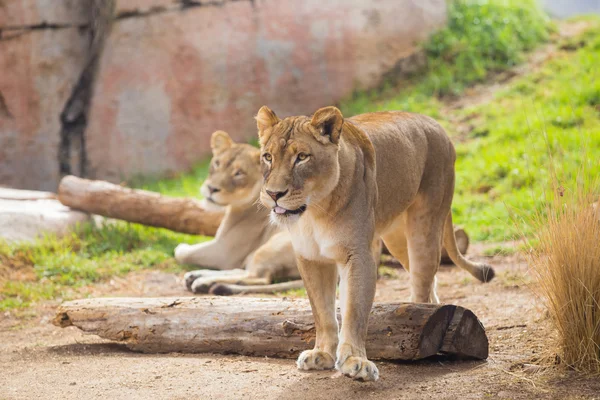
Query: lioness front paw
[
  {"x": 359, "y": 368},
  {"x": 315, "y": 359},
  {"x": 191, "y": 276},
  {"x": 356, "y": 367},
  {"x": 201, "y": 285},
  {"x": 181, "y": 252}
]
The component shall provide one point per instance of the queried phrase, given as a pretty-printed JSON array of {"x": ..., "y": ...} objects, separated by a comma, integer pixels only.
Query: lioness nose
[
  {"x": 276, "y": 195},
  {"x": 213, "y": 189}
]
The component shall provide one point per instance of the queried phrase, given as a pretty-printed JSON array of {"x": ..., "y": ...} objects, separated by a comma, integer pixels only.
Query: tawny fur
[
  {"x": 346, "y": 183},
  {"x": 247, "y": 254},
  {"x": 247, "y": 249}
]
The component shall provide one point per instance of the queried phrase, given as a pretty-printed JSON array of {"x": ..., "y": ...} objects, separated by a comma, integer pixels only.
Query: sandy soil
[{"x": 43, "y": 361}]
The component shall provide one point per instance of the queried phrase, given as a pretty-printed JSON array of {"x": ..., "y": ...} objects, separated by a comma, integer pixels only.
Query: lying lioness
[
  {"x": 246, "y": 250},
  {"x": 338, "y": 185}
]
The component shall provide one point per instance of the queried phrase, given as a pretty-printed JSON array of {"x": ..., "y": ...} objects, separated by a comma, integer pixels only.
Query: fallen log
[
  {"x": 103, "y": 198},
  {"x": 270, "y": 327}
]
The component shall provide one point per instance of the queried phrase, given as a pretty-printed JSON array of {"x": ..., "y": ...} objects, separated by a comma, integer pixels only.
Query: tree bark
[
  {"x": 103, "y": 198},
  {"x": 270, "y": 327}
]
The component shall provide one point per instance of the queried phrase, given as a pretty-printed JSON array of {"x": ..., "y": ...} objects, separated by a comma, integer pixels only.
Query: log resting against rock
[
  {"x": 270, "y": 327},
  {"x": 103, "y": 198}
]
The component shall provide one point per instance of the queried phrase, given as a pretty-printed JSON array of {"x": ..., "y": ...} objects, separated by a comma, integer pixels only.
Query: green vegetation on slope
[
  {"x": 482, "y": 37},
  {"x": 551, "y": 117},
  {"x": 506, "y": 142}
]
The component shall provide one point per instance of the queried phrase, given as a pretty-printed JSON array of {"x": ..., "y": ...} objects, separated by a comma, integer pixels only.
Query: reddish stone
[
  {"x": 170, "y": 78},
  {"x": 37, "y": 71},
  {"x": 171, "y": 75},
  {"x": 14, "y": 13}
]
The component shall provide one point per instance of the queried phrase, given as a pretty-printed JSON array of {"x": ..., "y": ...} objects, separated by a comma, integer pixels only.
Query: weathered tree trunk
[
  {"x": 270, "y": 327},
  {"x": 103, "y": 198}
]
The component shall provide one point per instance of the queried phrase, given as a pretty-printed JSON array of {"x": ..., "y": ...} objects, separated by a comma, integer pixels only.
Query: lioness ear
[
  {"x": 220, "y": 141},
  {"x": 328, "y": 121},
  {"x": 265, "y": 119}
]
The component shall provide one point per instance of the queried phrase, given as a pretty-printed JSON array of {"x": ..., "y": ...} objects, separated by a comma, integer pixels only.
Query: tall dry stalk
[{"x": 566, "y": 261}]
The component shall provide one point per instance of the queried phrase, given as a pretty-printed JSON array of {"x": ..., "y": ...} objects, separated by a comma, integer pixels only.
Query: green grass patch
[
  {"x": 550, "y": 117},
  {"x": 55, "y": 268},
  {"x": 182, "y": 185},
  {"x": 499, "y": 251},
  {"x": 481, "y": 38}
]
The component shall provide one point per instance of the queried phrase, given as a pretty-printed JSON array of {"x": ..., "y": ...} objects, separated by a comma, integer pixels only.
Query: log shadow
[
  {"x": 453, "y": 359},
  {"x": 90, "y": 349}
]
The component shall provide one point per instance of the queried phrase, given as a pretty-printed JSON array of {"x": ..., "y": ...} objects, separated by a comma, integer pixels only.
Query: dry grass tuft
[{"x": 565, "y": 259}]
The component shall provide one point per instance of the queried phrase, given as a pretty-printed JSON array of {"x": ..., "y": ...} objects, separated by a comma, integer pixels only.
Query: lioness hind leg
[
  {"x": 203, "y": 284},
  {"x": 274, "y": 260},
  {"x": 424, "y": 229},
  {"x": 192, "y": 276},
  {"x": 395, "y": 241}
]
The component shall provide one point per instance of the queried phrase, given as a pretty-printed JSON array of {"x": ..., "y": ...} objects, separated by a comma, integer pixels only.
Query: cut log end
[
  {"x": 62, "y": 319},
  {"x": 465, "y": 337},
  {"x": 434, "y": 330}
]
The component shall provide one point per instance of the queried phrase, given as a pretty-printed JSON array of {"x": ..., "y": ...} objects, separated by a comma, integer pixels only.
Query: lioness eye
[
  {"x": 238, "y": 173},
  {"x": 301, "y": 157},
  {"x": 216, "y": 163},
  {"x": 268, "y": 157}
]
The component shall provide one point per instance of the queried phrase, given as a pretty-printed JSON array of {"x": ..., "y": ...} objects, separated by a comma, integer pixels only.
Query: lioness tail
[{"x": 483, "y": 272}]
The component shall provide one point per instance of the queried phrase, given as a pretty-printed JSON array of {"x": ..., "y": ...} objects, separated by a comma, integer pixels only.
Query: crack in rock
[
  {"x": 4, "y": 110},
  {"x": 74, "y": 116},
  {"x": 14, "y": 31},
  {"x": 179, "y": 5}
]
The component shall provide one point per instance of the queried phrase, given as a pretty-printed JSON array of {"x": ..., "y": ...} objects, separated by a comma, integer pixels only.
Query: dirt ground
[{"x": 39, "y": 360}]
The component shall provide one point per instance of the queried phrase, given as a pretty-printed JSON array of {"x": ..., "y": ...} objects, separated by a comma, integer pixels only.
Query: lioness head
[
  {"x": 234, "y": 177},
  {"x": 299, "y": 158}
]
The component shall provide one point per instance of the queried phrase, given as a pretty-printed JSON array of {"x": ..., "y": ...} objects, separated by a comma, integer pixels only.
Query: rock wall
[
  {"x": 172, "y": 72},
  {"x": 42, "y": 49}
]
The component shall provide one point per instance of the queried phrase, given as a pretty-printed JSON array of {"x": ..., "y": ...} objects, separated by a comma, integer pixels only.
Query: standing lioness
[{"x": 338, "y": 185}]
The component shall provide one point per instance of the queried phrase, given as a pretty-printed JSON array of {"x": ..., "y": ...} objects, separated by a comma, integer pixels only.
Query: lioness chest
[{"x": 314, "y": 241}]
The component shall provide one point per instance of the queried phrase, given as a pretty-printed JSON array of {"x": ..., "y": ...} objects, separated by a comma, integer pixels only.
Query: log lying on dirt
[
  {"x": 103, "y": 198},
  {"x": 270, "y": 327}
]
